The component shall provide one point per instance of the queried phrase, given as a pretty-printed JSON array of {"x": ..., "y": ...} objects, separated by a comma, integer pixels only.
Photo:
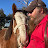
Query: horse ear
[{"x": 14, "y": 8}]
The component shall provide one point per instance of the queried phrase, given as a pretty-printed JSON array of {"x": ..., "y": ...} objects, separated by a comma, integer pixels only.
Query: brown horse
[
  {"x": 15, "y": 36},
  {"x": 8, "y": 39},
  {"x": 2, "y": 32}
]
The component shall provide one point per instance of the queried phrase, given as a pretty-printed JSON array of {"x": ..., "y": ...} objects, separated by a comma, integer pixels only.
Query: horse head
[{"x": 19, "y": 28}]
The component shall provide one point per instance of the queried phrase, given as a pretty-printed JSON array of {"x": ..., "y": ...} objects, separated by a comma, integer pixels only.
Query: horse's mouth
[{"x": 25, "y": 43}]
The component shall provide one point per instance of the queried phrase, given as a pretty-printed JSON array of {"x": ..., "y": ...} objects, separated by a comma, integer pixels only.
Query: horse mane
[{"x": 23, "y": 11}]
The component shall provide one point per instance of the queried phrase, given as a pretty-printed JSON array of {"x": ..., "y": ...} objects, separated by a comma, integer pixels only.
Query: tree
[
  {"x": 2, "y": 13},
  {"x": 23, "y": 3},
  {"x": 2, "y": 18},
  {"x": 10, "y": 16}
]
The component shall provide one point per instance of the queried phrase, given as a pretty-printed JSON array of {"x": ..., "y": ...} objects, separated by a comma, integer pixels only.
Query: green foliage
[
  {"x": 2, "y": 18},
  {"x": 9, "y": 17},
  {"x": 2, "y": 13}
]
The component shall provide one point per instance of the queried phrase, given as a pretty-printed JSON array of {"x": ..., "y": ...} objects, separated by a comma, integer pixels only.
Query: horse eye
[{"x": 14, "y": 18}]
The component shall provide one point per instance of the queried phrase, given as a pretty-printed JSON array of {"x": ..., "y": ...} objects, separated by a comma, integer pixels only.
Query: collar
[{"x": 44, "y": 20}]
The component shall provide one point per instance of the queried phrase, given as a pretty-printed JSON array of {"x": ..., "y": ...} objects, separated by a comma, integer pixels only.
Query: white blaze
[{"x": 20, "y": 20}]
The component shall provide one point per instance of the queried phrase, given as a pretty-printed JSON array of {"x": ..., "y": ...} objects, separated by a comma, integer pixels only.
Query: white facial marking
[{"x": 20, "y": 20}]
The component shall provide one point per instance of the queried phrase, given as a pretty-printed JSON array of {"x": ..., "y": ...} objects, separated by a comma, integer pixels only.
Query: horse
[{"x": 16, "y": 35}]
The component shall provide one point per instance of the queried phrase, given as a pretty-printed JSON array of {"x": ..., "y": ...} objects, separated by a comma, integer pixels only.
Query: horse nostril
[
  {"x": 15, "y": 33},
  {"x": 25, "y": 43},
  {"x": 22, "y": 44}
]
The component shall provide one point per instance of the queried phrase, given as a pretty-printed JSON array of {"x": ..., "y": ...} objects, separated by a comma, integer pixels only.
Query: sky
[{"x": 6, "y": 5}]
